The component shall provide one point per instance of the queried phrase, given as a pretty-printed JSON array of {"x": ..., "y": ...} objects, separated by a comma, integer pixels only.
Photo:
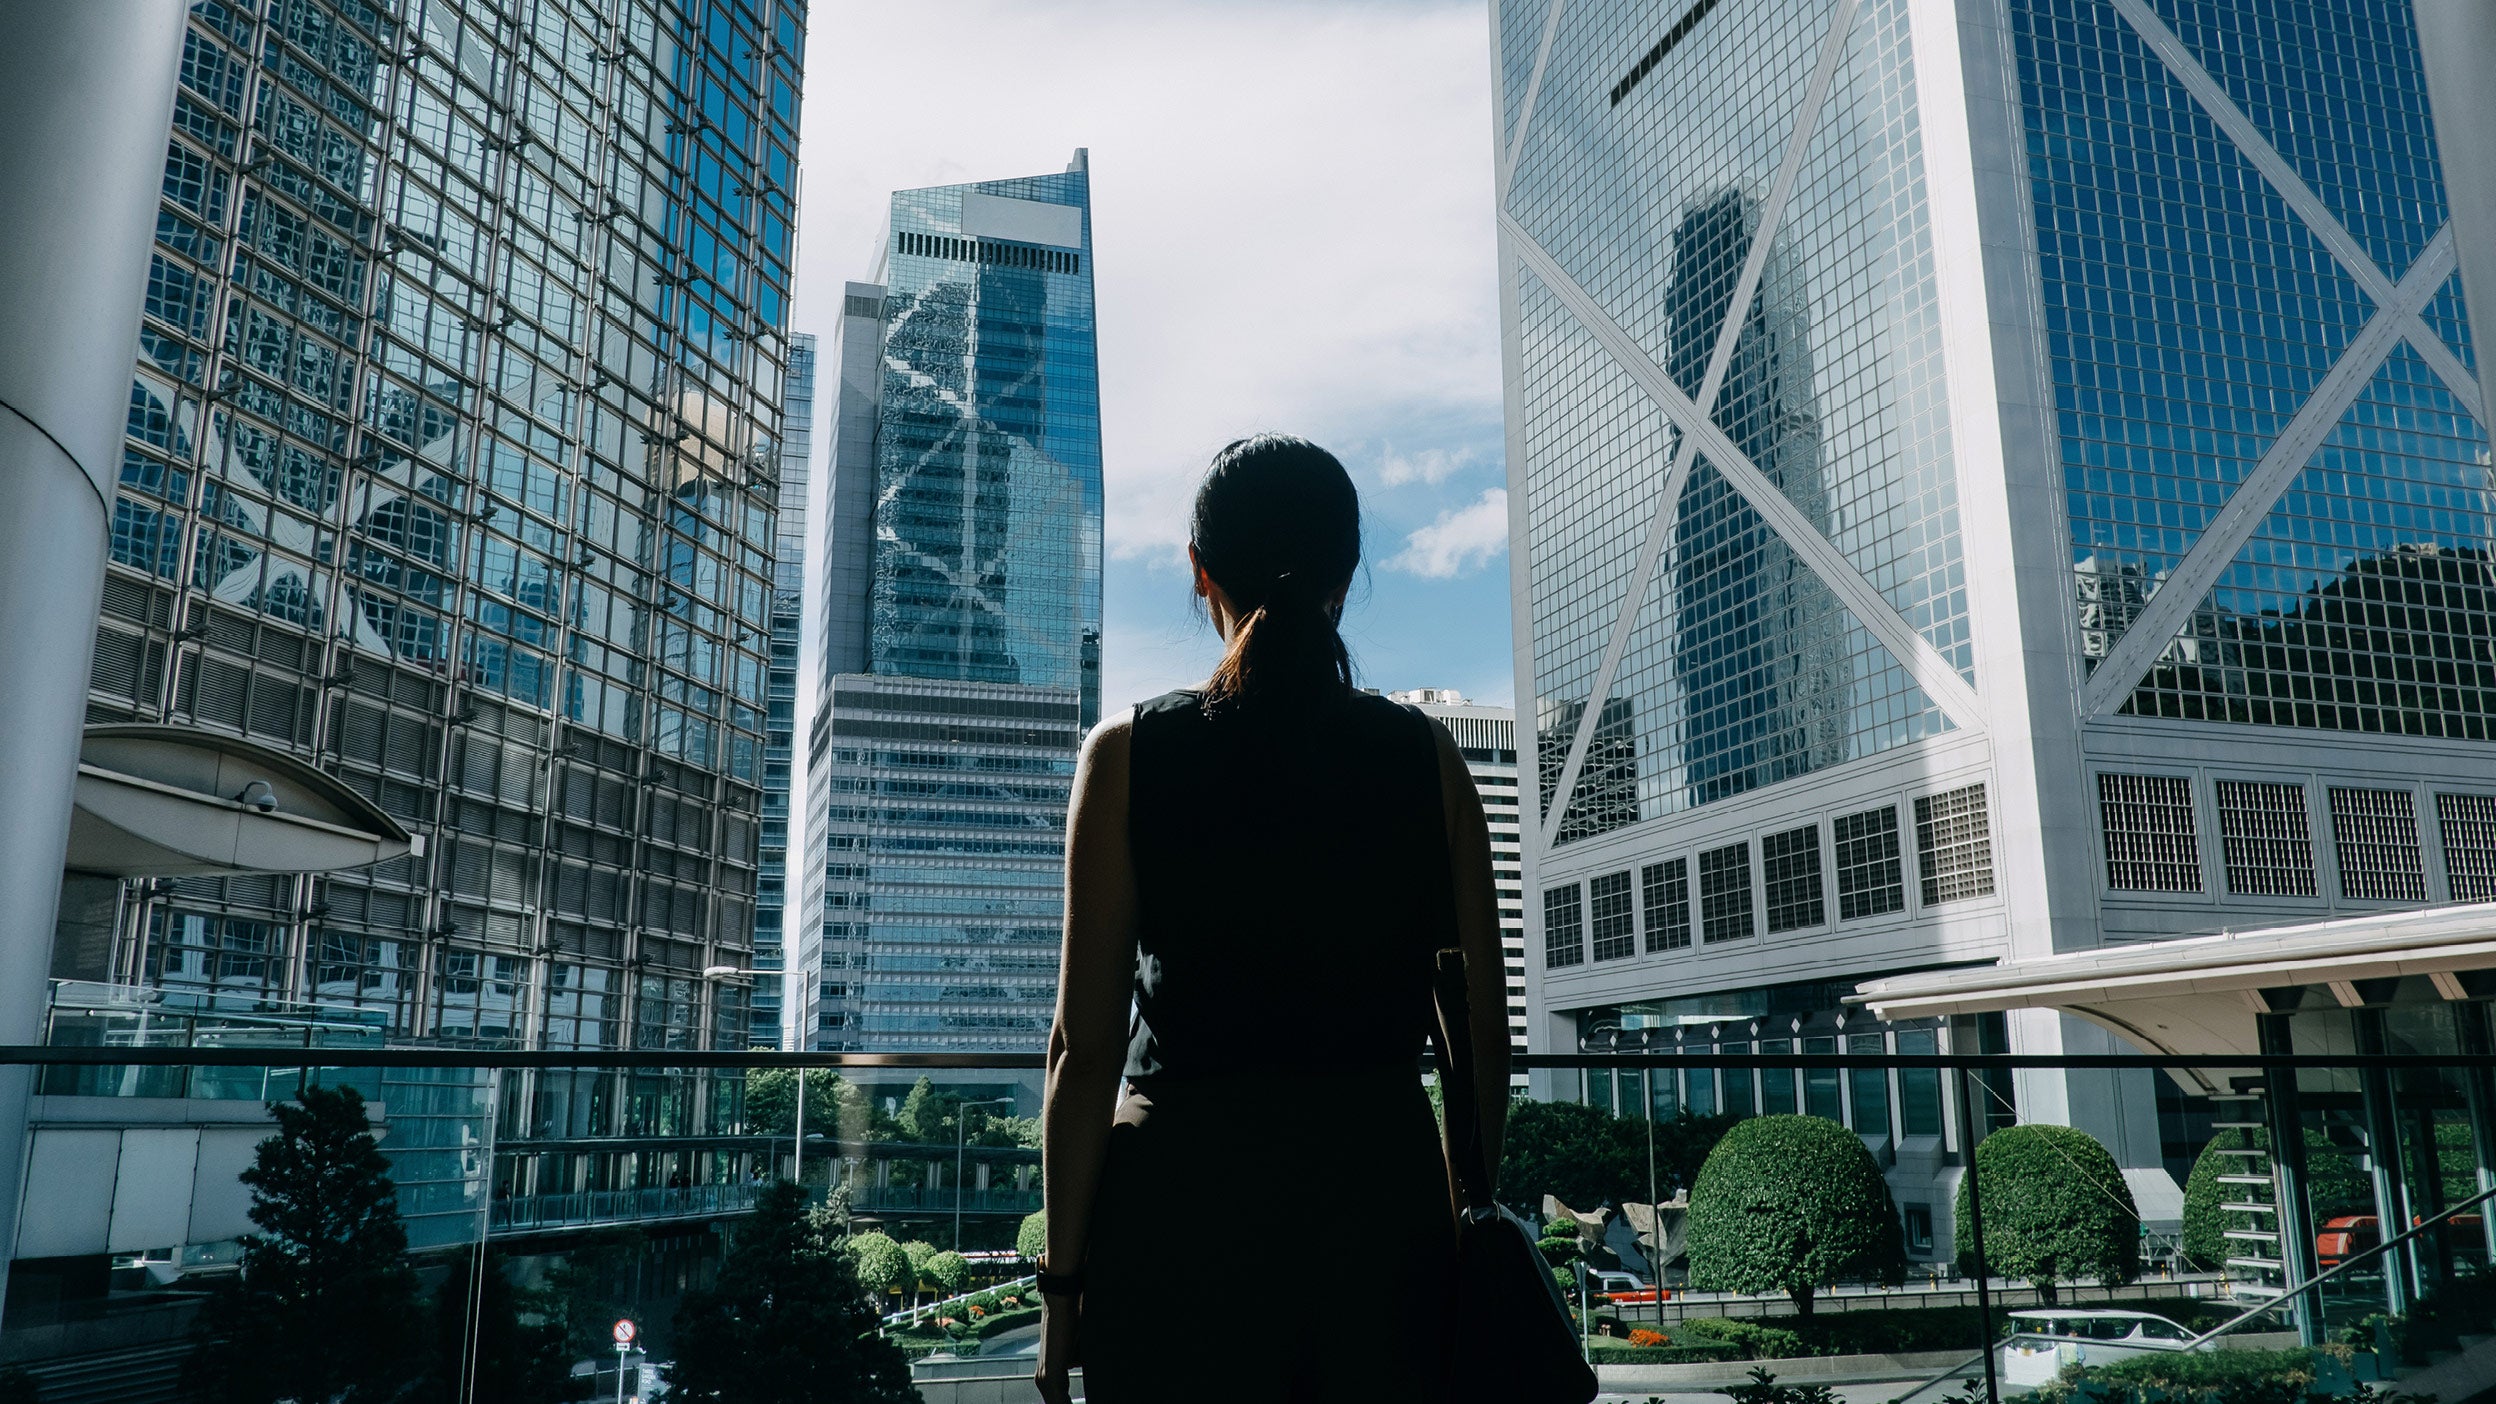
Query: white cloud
[
  {"x": 1292, "y": 207},
  {"x": 1462, "y": 539},
  {"x": 1432, "y": 466}
]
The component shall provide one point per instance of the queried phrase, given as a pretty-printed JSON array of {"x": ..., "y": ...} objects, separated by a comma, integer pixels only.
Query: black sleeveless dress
[{"x": 1273, "y": 1219}]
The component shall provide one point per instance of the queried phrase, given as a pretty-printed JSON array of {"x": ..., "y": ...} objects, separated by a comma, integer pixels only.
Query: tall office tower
[
  {"x": 780, "y": 1013},
  {"x": 1991, "y": 479},
  {"x": 1488, "y": 738},
  {"x": 453, "y": 445},
  {"x": 962, "y": 614}
]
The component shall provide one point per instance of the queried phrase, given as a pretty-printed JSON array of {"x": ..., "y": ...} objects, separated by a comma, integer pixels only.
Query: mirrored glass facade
[
  {"x": 453, "y": 468},
  {"x": 1940, "y": 427},
  {"x": 772, "y": 926},
  {"x": 962, "y": 618}
]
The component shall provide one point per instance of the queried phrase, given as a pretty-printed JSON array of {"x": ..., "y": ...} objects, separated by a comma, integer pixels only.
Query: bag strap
[{"x": 1458, "y": 1097}]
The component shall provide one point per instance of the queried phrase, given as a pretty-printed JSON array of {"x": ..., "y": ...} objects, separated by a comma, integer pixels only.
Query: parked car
[
  {"x": 2351, "y": 1234},
  {"x": 2042, "y": 1342}
]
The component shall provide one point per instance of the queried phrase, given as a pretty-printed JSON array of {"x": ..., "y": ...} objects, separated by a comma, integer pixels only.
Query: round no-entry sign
[{"x": 624, "y": 1333}]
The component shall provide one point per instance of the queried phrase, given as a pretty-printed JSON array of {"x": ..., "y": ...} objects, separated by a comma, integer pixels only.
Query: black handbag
[{"x": 1509, "y": 1339}]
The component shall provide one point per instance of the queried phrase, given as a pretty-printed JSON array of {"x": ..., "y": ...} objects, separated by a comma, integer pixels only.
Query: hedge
[
  {"x": 1611, "y": 1352},
  {"x": 2189, "y": 1376},
  {"x": 1899, "y": 1330}
]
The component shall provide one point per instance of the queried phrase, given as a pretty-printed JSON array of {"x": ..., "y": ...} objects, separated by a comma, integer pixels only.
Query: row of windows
[
  {"x": 1873, "y": 1101},
  {"x": 2152, "y": 830},
  {"x": 1954, "y": 860},
  {"x": 986, "y": 251}
]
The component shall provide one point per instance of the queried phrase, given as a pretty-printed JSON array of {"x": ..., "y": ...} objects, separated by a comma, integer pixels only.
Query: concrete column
[
  {"x": 2295, "y": 1219},
  {"x": 86, "y": 100},
  {"x": 2458, "y": 41}
]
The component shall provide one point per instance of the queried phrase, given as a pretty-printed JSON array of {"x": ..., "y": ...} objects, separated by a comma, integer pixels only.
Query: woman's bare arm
[
  {"x": 1096, "y": 971},
  {"x": 1477, "y": 931}
]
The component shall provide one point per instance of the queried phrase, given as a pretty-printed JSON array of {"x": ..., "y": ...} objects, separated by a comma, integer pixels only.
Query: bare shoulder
[{"x": 1106, "y": 748}]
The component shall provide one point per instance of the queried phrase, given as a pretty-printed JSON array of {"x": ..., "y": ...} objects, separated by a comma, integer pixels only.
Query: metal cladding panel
[
  {"x": 152, "y": 1195},
  {"x": 220, "y": 1202},
  {"x": 69, "y": 1193}
]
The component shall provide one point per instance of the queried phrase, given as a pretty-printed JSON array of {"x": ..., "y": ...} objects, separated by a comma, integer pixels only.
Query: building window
[
  {"x": 1820, "y": 1094},
  {"x": 1564, "y": 933},
  {"x": 1917, "y": 1219},
  {"x": 1919, "y": 1089},
  {"x": 1870, "y": 1086},
  {"x": 2468, "y": 826},
  {"x": 1667, "y": 895},
  {"x": 1790, "y": 864},
  {"x": 1953, "y": 845},
  {"x": 2264, "y": 840},
  {"x": 1870, "y": 880},
  {"x": 1615, "y": 926},
  {"x": 2375, "y": 835},
  {"x": 2151, "y": 842},
  {"x": 1776, "y": 1085},
  {"x": 1725, "y": 893}
]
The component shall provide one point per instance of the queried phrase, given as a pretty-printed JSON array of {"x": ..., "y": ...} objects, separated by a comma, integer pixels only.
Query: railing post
[
  {"x": 2383, "y": 1146},
  {"x": 1976, "y": 1229}
]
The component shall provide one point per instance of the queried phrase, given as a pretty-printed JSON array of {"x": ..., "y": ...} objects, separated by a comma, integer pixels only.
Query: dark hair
[{"x": 1278, "y": 526}]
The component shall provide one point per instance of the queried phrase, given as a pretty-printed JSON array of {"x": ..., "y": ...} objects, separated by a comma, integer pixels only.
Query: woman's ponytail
[{"x": 1278, "y": 526}]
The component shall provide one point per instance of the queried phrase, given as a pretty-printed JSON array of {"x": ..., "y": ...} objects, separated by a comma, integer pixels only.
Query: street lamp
[{"x": 961, "y": 1137}]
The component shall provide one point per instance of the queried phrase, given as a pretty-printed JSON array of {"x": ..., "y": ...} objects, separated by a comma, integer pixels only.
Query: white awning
[
  {"x": 2199, "y": 994},
  {"x": 165, "y": 801}
]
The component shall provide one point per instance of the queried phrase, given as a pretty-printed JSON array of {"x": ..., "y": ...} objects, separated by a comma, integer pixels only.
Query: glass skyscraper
[
  {"x": 961, "y": 629},
  {"x": 771, "y": 1026},
  {"x": 452, "y": 468},
  {"x": 2062, "y": 514}
]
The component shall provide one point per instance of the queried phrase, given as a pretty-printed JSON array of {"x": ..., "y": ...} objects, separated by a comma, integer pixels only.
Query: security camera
[{"x": 260, "y": 796}]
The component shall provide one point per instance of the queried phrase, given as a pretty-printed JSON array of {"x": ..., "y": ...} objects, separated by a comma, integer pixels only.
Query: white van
[{"x": 2043, "y": 1341}]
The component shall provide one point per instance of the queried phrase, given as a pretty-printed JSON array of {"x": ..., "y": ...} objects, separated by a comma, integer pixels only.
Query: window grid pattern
[
  {"x": 2264, "y": 837},
  {"x": 2153, "y": 843},
  {"x": 2467, "y": 824},
  {"x": 1789, "y": 865},
  {"x": 1614, "y": 924},
  {"x": 1725, "y": 893},
  {"x": 2188, "y": 316},
  {"x": 2374, "y": 836},
  {"x": 1564, "y": 927},
  {"x": 1953, "y": 845},
  {"x": 1870, "y": 876},
  {"x": 1666, "y": 895},
  {"x": 1743, "y": 669},
  {"x": 445, "y": 522},
  {"x": 2363, "y": 601}
]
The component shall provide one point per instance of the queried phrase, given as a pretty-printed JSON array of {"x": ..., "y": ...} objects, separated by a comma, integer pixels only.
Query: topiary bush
[
  {"x": 2056, "y": 1210},
  {"x": 882, "y": 1265},
  {"x": 1032, "y": 1239},
  {"x": 2333, "y": 1184},
  {"x": 948, "y": 1271},
  {"x": 1792, "y": 1204}
]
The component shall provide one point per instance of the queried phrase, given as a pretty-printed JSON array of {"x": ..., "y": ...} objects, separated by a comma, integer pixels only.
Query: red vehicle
[{"x": 2351, "y": 1234}]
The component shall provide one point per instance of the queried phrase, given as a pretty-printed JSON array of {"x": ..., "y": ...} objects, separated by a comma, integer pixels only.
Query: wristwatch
[{"x": 1060, "y": 1284}]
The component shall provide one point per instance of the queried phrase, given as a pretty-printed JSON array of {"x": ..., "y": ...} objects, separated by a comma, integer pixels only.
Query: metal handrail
[
  {"x": 2449, "y": 1211},
  {"x": 87, "y": 1055}
]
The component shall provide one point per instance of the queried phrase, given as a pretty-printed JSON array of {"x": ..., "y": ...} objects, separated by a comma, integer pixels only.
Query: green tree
[
  {"x": 2334, "y": 1186},
  {"x": 517, "y": 1361},
  {"x": 326, "y": 1308},
  {"x": 1791, "y": 1204},
  {"x": 2056, "y": 1210},
  {"x": 948, "y": 1271},
  {"x": 788, "y": 1322},
  {"x": 882, "y": 1266},
  {"x": 584, "y": 1291},
  {"x": 771, "y": 1102},
  {"x": 1584, "y": 1156},
  {"x": 1032, "y": 1239},
  {"x": 926, "y": 1115}
]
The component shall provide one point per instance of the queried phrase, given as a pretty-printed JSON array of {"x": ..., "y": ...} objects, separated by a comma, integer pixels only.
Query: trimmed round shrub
[
  {"x": 2333, "y": 1186},
  {"x": 1792, "y": 1204},
  {"x": 948, "y": 1271},
  {"x": 2056, "y": 1210},
  {"x": 1032, "y": 1239},
  {"x": 882, "y": 1266}
]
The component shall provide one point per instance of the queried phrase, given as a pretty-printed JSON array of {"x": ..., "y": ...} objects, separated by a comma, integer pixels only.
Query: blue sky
[{"x": 1292, "y": 231}]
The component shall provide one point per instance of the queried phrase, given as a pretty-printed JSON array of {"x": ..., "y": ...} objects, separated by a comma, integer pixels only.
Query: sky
[{"x": 1292, "y": 232}]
